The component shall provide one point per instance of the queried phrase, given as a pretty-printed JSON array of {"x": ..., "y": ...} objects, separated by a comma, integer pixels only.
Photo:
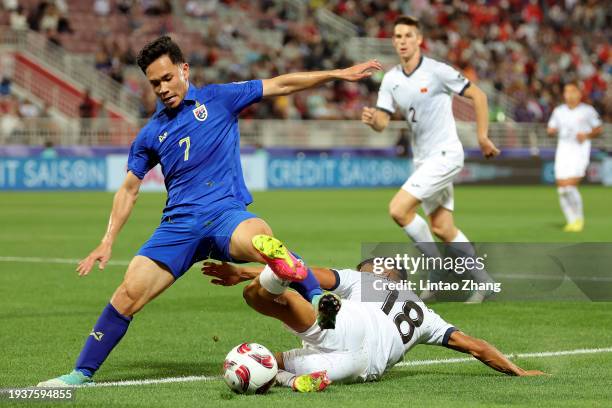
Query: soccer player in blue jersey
[{"x": 194, "y": 136}]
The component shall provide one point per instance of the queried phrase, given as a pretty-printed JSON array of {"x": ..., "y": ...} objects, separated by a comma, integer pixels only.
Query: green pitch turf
[{"x": 46, "y": 311}]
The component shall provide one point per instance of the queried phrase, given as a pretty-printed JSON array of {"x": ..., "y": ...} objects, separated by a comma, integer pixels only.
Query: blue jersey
[{"x": 198, "y": 147}]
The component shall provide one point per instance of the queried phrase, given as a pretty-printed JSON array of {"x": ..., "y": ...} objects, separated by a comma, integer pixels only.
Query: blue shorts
[{"x": 184, "y": 239}]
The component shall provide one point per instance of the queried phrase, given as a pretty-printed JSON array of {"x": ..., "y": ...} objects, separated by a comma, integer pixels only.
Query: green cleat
[
  {"x": 313, "y": 382},
  {"x": 74, "y": 379}
]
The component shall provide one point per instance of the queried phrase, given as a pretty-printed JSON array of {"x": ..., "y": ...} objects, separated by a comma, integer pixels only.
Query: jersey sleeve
[
  {"x": 385, "y": 97},
  {"x": 553, "y": 122},
  {"x": 238, "y": 95},
  {"x": 346, "y": 281},
  {"x": 452, "y": 80},
  {"x": 141, "y": 158},
  {"x": 594, "y": 119}
]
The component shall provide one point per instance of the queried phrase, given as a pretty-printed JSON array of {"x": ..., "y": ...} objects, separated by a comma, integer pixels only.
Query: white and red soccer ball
[{"x": 250, "y": 368}]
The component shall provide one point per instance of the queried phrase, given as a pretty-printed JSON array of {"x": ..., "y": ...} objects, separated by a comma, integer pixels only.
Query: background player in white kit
[
  {"x": 575, "y": 124},
  {"x": 368, "y": 337},
  {"x": 421, "y": 88}
]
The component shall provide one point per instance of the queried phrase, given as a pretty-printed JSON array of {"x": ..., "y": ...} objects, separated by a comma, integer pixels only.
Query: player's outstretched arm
[
  {"x": 481, "y": 107},
  {"x": 488, "y": 354},
  {"x": 298, "y": 81},
  {"x": 123, "y": 203},
  {"x": 227, "y": 274},
  {"x": 375, "y": 118}
]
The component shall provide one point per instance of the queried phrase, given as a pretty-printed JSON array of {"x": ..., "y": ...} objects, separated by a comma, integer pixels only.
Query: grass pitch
[{"x": 46, "y": 311}]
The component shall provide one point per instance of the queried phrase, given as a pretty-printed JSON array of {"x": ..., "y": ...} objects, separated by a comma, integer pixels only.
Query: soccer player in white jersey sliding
[
  {"x": 575, "y": 124},
  {"x": 356, "y": 340},
  {"x": 421, "y": 88}
]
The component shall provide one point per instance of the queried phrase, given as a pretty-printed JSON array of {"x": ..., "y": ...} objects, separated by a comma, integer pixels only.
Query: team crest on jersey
[
  {"x": 423, "y": 90},
  {"x": 200, "y": 112}
]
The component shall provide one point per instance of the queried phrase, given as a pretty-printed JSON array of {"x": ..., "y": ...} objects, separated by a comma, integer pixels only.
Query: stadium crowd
[{"x": 526, "y": 48}]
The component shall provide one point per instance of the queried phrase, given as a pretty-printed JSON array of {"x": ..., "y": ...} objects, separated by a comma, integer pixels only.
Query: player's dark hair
[
  {"x": 403, "y": 274},
  {"x": 407, "y": 20},
  {"x": 156, "y": 48}
]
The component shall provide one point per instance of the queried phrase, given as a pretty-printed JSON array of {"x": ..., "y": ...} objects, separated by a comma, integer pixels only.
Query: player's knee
[
  {"x": 128, "y": 299},
  {"x": 249, "y": 293}
]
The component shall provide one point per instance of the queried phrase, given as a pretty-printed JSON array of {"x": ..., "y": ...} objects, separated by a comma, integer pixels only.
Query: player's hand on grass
[
  {"x": 101, "y": 254},
  {"x": 489, "y": 150},
  {"x": 359, "y": 71},
  {"x": 367, "y": 115},
  {"x": 532, "y": 373},
  {"x": 582, "y": 137},
  {"x": 225, "y": 274}
]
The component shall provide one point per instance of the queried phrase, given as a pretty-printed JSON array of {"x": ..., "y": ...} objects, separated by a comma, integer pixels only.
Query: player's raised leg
[
  {"x": 144, "y": 280},
  {"x": 252, "y": 241}
]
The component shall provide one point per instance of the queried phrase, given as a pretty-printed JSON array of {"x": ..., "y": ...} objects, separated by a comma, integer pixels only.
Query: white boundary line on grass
[
  {"x": 511, "y": 356},
  {"x": 30, "y": 259},
  {"x": 191, "y": 378},
  {"x": 402, "y": 364}
]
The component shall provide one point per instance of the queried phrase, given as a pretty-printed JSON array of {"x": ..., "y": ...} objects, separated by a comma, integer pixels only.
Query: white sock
[
  {"x": 566, "y": 204},
  {"x": 576, "y": 200},
  {"x": 419, "y": 232},
  {"x": 460, "y": 237},
  {"x": 285, "y": 378},
  {"x": 271, "y": 282},
  {"x": 478, "y": 275}
]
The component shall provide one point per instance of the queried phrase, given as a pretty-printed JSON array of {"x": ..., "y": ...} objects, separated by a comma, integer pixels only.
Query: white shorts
[
  {"x": 355, "y": 352},
  {"x": 432, "y": 181},
  {"x": 571, "y": 162},
  {"x": 343, "y": 352}
]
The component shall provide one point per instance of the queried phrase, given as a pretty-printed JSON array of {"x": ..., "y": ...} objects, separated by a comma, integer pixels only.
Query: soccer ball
[{"x": 250, "y": 368}]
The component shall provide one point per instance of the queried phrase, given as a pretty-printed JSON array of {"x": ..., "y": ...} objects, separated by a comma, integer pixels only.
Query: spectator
[{"x": 102, "y": 8}]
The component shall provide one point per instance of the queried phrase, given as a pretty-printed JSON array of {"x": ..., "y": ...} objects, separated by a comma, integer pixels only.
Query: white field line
[
  {"x": 402, "y": 364},
  {"x": 29, "y": 259},
  {"x": 510, "y": 356},
  {"x": 191, "y": 378}
]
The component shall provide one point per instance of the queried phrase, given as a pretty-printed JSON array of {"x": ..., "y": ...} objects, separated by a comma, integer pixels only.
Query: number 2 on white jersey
[{"x": 187, "y": 142}]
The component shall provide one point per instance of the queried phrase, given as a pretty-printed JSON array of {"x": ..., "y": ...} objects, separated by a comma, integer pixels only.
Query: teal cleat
[{"x": 74, "y": 379}]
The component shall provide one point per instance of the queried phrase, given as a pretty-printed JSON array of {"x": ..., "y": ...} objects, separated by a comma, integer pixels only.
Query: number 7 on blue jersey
[{"x": 187, "y": 142}]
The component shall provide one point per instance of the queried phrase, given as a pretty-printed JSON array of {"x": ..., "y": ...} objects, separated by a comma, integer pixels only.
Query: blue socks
[
  {"x": 106, "y": 334},
  {"x": 309, "y": 287}
]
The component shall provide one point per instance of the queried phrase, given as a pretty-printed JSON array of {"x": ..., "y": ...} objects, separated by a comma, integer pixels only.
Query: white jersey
[
  {"x": 394, "y": 320},
  {"x": 374, "y": 329},
  {"x": 569, "y": 122},
  {"x": 424, "y": 97},
  {"x": 572, "y": 157}
]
